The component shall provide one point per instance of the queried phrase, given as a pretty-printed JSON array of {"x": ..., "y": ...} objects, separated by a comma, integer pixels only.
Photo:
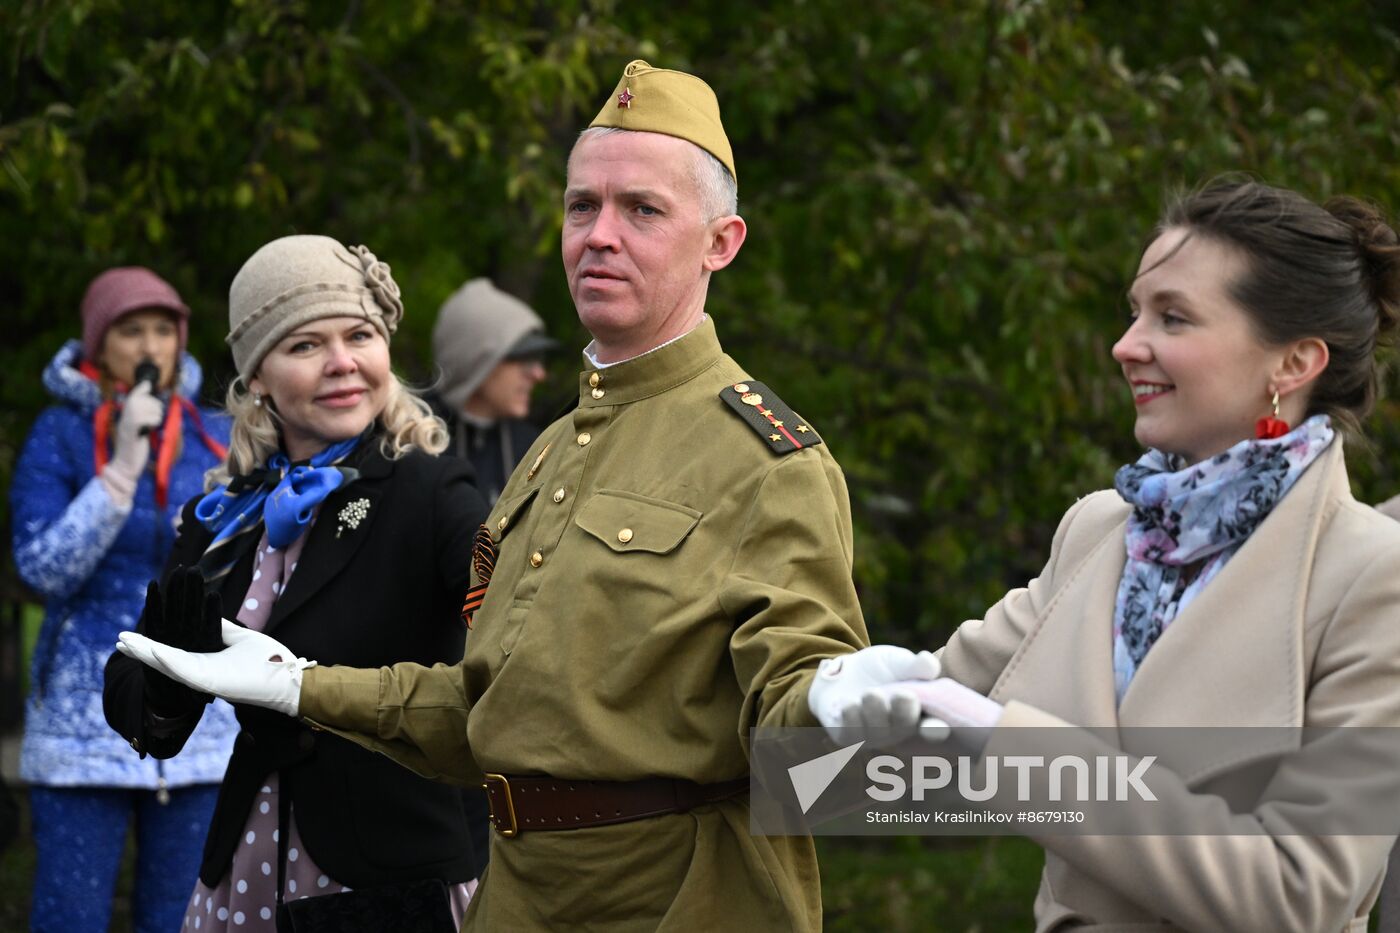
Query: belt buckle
[{"x": 514, "y": 828}]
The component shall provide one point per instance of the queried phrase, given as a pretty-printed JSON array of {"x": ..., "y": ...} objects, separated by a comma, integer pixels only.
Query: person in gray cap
[{"x": 489, "y": 347}]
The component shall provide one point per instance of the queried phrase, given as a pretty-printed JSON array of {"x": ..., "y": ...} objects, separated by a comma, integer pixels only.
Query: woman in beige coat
[{"x": 1229, "y": 580}]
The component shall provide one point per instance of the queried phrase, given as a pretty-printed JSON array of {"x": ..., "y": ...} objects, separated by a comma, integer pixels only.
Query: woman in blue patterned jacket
[{"x": 94, "y": 498}]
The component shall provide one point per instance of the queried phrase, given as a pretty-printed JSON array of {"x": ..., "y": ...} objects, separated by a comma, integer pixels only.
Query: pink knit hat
[{"x": 123, "y": 290}]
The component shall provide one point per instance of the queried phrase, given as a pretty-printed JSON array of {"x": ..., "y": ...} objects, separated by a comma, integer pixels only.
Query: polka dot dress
[{"x": 246, "y": 899}]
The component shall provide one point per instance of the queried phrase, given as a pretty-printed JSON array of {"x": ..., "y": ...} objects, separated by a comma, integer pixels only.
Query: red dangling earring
[{"x": 1270, "y": 426}]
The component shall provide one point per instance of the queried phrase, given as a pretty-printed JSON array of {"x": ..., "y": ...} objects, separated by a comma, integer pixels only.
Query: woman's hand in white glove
[
  {"x": 142, "y": 411},
  {"x": 255, "y": 668},
  {"x": 131, "y": 449},
  {"x": 871, "y": 690}
]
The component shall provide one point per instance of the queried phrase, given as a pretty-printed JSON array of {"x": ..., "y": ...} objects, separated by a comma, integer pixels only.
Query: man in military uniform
[{"x": 667, "y": 568}]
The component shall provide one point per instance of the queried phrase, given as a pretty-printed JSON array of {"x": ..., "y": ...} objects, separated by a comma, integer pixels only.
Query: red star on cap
[{"x": 624, "y": 100}]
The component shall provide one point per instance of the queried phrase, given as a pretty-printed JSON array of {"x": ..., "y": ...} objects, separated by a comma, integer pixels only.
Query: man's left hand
[{"x": 871, "y": 690}]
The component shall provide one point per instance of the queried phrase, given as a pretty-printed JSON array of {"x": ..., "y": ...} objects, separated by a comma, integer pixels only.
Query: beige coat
[
  {"x": 1301, "y": 628},
  {"x": 1390, "y": 894},
  {"x": 665, "y": 582}
]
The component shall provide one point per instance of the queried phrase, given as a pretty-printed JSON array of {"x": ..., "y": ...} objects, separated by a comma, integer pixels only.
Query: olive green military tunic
[{"x": 666, "y": 580}]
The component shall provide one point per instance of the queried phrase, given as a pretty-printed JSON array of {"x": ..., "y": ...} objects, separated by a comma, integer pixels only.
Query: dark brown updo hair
[{"x": 1331, "y": 272}]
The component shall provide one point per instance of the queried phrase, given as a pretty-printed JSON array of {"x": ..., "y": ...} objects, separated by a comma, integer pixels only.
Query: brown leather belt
[{"x": 544, "y": 803}]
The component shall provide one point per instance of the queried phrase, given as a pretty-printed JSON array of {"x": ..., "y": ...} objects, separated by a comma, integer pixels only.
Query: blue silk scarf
[{"x": 282, "y": 495}]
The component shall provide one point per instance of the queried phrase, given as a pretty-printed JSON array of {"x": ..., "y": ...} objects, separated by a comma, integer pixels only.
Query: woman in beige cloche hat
[{"x": 334, "y": 524}]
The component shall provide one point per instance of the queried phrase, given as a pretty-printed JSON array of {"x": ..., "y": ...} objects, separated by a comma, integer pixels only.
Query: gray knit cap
[
  {"x": 478, "y": 326},
  {"x": 299, "y": 279}
]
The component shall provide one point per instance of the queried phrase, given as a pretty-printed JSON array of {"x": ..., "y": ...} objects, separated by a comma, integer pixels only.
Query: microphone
[{"x": 147, "y": 371}]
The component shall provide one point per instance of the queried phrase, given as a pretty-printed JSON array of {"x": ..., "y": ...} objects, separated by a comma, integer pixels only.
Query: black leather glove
[{"x": 181, "y": 615}]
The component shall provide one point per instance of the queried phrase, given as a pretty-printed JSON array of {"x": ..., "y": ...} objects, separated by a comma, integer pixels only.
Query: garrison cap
[{"x": 655, "y": 100}]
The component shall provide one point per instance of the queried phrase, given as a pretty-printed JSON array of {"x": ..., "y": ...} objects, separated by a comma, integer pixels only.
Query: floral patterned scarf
[{"x": 1193, "y": 518}]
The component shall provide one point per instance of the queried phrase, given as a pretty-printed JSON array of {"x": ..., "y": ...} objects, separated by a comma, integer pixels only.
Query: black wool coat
[
  {"x": 493, "y": 451},
  {"x": 388, "y": 590}
]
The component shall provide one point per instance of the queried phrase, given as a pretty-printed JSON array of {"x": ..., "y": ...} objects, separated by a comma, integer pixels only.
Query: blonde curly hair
[{"x": 405, "y": 423}]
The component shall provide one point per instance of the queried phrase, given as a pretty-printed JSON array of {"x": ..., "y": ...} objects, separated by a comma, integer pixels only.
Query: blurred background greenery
[{"x": 945, "y": 201}]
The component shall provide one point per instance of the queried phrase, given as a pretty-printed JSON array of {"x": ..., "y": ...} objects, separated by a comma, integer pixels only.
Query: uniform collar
[
  {"x": 651, "y": 373},
  {"x": 590, "y": 356}
]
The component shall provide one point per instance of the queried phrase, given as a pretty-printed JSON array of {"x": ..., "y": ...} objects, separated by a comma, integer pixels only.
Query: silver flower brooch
[{"x": 351, "y": 516}]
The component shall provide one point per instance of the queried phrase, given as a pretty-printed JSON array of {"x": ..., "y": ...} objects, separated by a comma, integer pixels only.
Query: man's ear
[{"x": 726, "y": 235}]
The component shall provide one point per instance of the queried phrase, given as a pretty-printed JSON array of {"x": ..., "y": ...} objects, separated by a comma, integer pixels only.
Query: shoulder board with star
[{"x": 779, "y": 426}]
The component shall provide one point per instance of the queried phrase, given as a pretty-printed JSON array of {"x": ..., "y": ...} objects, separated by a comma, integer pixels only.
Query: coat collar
[
  {"x": 651, "y": 373},
  {"x": 1233, "y": 657},
  {"x": 332, "y": 541},
  {"x": 1064, "y": 665}
]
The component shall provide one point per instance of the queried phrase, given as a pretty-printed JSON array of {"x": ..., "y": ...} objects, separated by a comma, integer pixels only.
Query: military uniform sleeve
[
  {"x": 981, "y": 648},
  {"x": 789, "y": 589},
  {"x": 416, "y": 715}
]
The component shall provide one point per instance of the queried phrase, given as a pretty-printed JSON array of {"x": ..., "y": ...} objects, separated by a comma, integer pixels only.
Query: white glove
[
  {"x": 255, "y": 668},
  {"x": 142, "y": 411},
  {"x": 865, "y": 689}
]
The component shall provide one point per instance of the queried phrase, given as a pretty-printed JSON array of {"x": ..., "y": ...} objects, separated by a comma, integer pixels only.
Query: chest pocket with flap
[
  {"x": 509, "y": 513},
  {"x": 631, "y": 523}
]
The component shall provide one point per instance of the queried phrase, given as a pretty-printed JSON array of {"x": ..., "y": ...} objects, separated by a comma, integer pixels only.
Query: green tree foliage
[{"x": 946, "y": 201}]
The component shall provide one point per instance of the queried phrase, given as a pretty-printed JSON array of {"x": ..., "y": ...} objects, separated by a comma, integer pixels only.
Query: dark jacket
[
  {"x": 388, "y": 590},
  {"x": 493, "y": 450}
]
